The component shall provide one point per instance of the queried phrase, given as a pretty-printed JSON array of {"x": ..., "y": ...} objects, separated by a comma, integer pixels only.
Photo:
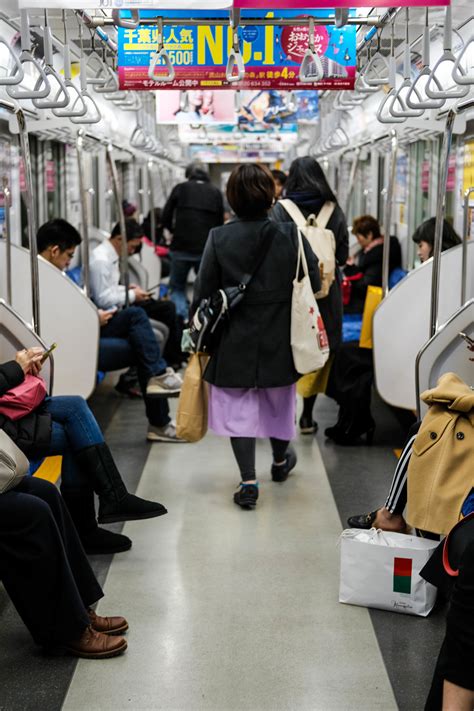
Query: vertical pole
[
  {"x": 7, "y": 196},
  {"x": 30, "y": 218},
  {"x": 388, "y": 212},
  {"x": 84, "y": 197},
  {"x": 118, "y": 201},
  {"x": 151, "y": 202},
  {"x": 465, "y": 238},
  {"x": 352, "y": 175},
  {"x": 440, "y": 212}
]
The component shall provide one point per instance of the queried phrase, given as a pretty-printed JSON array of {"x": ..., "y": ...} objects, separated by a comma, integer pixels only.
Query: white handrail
[
  {"x": 456, "y": 91},
  {"x": 458, "y": 75},
  {"x": 416, "y": 97},
  {"x": 61, "y": 99},
  {"x": 161, "y": 55},
  {"x": 311, "y": 57},
  {"x": 14, "y": 90}
]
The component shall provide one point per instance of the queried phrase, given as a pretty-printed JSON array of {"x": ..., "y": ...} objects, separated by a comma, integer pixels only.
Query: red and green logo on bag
[{"x": 402, "y": 572}]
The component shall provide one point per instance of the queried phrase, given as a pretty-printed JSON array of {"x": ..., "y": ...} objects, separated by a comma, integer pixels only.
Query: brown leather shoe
[
  {"x": 107, "y": 625},
  {"x": 95, "y": 645}
]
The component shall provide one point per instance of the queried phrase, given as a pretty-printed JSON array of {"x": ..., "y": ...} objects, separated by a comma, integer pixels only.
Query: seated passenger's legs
[
  {"x": 390, "y": 516},
  {"x": 165, "y": 312},
  {"x": 88, "y": 464},
  {"x": 154, "y": 377},
  {"x": 350, "y": 384},
  {"x": 42, "y": 563},
  {"x": 134, "y": 325}
]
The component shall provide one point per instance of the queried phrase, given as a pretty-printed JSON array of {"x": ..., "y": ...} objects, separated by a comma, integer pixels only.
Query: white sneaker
[
  {"x": 166, "y": 385},
  {"x": 164, "y": 434}
]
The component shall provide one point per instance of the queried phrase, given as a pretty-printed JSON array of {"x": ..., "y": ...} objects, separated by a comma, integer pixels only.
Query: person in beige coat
[
  {"x": 440, "y": 473},
  {"x": 433, "y": 471}
]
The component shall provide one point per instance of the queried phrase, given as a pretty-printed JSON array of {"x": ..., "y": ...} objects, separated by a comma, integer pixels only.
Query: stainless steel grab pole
[
  {"x": 465, "y": 237},
  {"x": 123, "y": 230},
  {"x": 440, "y": 211},
  {"x": 151, "y": 201},
  {"x": 30, "y": 218},
  {"x": 7, "y": 199},
  {"x": 84, "y": 198},
  {"x": 387, "y": 219},
  {"x": 352, "y": 175}
]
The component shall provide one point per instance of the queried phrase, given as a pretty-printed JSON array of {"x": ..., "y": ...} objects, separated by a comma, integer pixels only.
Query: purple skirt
[{"x": 257, "y": 412}]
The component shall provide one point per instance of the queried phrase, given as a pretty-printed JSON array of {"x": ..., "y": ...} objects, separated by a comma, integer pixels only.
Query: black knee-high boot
[
  {"x": 115, "y": 503},
  {"x": 80, "y": 503}
]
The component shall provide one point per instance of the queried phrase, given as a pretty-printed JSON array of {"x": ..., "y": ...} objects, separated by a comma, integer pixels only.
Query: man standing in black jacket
[{"x": 193, "y": 208}]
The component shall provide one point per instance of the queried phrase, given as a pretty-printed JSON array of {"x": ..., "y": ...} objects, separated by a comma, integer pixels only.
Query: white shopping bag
[{"x": 382, "y": 569}]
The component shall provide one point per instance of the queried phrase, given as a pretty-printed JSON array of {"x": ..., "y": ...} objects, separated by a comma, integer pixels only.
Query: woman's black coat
[
  {"x": 331, "y": 305},
  {"x": 32, "y": 432},
  {"x": 370, "y": 264},
  {"x": 255, "y": 350}
]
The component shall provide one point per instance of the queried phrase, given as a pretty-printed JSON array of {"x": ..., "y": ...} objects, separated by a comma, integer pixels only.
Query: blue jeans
[
  {"x": 181, "y": 265},
  {"x": 134, "y": 325},
  {"x": 74, "y": 427},
  {"x": 128, "y": 339}
]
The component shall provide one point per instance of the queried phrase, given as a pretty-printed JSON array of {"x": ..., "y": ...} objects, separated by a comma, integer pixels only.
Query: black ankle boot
[
  {"x": 95, "y": 540},
  {"x": 280, "y": 472},
  {"x": 115, "y": 503}
]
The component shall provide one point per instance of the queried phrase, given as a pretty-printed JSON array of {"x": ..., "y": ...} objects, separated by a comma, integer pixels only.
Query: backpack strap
[
  {"x": 325, "y": 214},
  {"x": 294, "y": 212}
]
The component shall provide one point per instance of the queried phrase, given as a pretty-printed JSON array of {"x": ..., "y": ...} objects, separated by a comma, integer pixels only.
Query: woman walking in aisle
[{"x": 251, "y": 374}]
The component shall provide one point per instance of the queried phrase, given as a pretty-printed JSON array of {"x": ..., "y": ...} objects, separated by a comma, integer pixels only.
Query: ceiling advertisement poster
[{"x": 272, "y": 55}]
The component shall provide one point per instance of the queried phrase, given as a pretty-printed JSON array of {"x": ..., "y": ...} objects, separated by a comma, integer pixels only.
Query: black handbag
[{"x": 207, "y": 323}]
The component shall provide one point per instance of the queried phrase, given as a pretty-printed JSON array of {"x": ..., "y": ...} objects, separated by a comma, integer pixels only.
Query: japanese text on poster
[{"x": 272, "y": 55}]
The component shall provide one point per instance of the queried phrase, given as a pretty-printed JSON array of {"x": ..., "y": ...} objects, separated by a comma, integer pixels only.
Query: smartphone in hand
[{"x": 47, "y": 353}]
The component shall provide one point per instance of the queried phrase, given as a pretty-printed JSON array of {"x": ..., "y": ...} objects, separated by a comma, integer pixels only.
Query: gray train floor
[{"x": 359, "y": 478}]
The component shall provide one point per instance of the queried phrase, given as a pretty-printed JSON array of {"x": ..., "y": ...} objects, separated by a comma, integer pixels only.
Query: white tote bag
[
  {"x": 382, "y": 569},
  {"x": 309, "y": 341},
  {"x": 14, "y": 465}
]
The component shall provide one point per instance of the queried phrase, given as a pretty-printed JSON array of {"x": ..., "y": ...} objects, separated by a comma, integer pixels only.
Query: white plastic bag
[{"x": 382, "y": 569}]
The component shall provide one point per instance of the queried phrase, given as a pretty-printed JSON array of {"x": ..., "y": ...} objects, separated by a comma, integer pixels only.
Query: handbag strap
[
  {"x": 294, "y": 212},
  {"x": 325, "y": 214},
  {"x": 260, "y": 256},
  {"x": 301, "y": 261}
]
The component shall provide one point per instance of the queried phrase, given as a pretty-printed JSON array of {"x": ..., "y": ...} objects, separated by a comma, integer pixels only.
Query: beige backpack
[{"x": 322, "y": 240}]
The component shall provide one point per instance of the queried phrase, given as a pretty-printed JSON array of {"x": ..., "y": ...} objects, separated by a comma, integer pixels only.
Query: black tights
[
  {"x": 308, "y": 406},
  {"x": 244, "y": 452}
]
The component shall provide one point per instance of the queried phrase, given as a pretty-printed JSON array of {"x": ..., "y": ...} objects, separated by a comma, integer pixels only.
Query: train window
[
  {"x": 53, "y": 177},
  {"x": 5, "y": 171}
]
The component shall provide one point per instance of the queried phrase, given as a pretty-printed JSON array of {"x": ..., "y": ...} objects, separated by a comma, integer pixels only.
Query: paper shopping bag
[
  {"x": 191, "y": 418},
  {"x": 382, "y": 569},
  {"x": 372, "y": 300}
]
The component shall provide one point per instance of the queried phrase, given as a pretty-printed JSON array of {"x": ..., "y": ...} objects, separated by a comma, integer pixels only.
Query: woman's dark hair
[
  {"x": 365, "y": 224},
  {"x": 279, "y": 175},
  {"x": 132, "y": 228},
  {"x": 250, "y": 190},
  {"x": 57, "y": 233},
  {"x": 426, "y": 233},
  {"x": 307, "y": 176}
]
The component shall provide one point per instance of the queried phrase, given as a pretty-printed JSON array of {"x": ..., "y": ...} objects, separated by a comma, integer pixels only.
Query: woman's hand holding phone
[{"x": 30, "y": 360}]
